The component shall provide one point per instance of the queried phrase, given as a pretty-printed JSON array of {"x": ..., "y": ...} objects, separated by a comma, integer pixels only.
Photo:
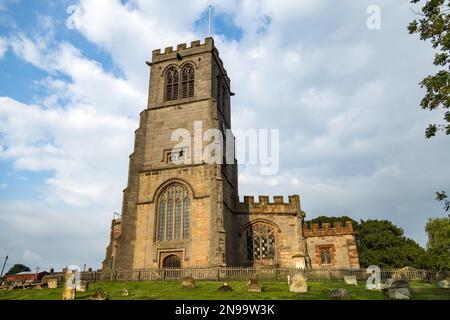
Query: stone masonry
[{"x": 205, "y": 224}]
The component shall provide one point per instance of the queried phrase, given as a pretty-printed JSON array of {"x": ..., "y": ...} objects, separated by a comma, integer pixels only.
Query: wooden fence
[{"x": 243, "y": 274}]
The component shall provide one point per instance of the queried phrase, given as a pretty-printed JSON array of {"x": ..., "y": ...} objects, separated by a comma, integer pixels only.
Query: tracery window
[
  {"x": 187, "y": 81},
  {"x": 173, "y": 213},
  {"x": 172, "y": 80},
  {"x": 261, "y": 242}
]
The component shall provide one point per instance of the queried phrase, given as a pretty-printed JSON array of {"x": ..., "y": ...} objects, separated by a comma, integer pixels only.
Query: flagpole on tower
[{"x": 209, "y": 20}]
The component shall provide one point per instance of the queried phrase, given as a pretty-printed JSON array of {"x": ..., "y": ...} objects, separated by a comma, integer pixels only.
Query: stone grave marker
[
  {"x": 298, "y": 283},
  {"x": 100, "y": 294},
  {"x": 341, "y": 294},
  {"x": 188, "y": 283},
  {"x": 350, "y": 280},
  {"x": 82, "y": 285},
  {"x": 253, "y": 285},
  {"x": 225, "y": 288},
  {"x": 52, "y": 283}
]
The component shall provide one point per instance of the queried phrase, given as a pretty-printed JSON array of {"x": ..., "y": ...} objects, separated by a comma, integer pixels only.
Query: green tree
[
  {"x": 434, "y": 25},
  {"x": 18, "y": 268},
  {"x": 438, "y": 246}
]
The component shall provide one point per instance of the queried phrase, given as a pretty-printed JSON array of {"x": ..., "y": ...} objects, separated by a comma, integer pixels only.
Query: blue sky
[{"x": 345, "y": 98}]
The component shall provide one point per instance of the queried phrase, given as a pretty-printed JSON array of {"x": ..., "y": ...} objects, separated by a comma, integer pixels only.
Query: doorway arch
[{"x": 172, "y": 261}]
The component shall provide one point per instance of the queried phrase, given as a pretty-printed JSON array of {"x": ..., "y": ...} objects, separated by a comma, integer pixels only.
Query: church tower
[
  {"x": 177, "y": 206},
  {"x": 181, "y": 207}
]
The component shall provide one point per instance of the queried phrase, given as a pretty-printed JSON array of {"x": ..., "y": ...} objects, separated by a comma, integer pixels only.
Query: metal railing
[{"x": 225, "y": 274}]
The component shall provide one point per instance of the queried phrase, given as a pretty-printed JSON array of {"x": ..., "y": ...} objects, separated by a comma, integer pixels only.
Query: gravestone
[
  {"x": 52, "y": 283},
  {"x": 298, "y": 283},
  {"x": 82, "y": 286},
  {"x": 398, "y": 293},
  {"x": 399, "y": 290},
  {"x": 445, "y": 284},
  {"x": 341, "y": 294},
  {"x": 350, "y": 280},
  {"x": 188, "y": 283},
  {"x": 253, "y": 285},
  {"x": 100, "y": 294},
  {"x": 69, "y": 291},
  {"x": 225, "y": 288}
]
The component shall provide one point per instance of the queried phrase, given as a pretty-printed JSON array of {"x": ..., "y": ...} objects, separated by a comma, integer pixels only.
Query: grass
[{"x": 171, "y": 290}]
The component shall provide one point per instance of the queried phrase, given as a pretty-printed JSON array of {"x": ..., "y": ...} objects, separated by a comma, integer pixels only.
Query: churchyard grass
[{"x": 169, "y": 290}]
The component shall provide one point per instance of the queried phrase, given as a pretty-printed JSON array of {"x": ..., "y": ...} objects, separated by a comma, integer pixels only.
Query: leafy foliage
[
  {"x": 434, "y": 25},
  {"x": 382, "y": 243},
  {"x": 438, "y": 231},
  {"x": 18, "y": 268},
  {"x": 442, "y": 196}
]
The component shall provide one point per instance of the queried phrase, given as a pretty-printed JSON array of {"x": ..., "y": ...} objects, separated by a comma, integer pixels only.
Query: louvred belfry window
[
  {"x": 172, "y": 81},
  {"x": 261, "y": 242},
  {"x": 173, "y": 213},
  {"x": 187, "y": 81}
]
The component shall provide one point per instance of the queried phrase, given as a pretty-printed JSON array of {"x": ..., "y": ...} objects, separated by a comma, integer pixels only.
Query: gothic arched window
[
  {"x": 173, "y": 213},
  {"x": 261, "y": 242},
  {"x": 187, "y": 81},
  {"x": 172, "y": 81}
]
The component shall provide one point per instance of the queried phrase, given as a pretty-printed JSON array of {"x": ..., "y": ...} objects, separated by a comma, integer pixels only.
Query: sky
[{"x": 344, "y": 97}]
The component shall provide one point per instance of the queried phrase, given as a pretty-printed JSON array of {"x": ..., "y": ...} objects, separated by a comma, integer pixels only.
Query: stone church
[{"x": 190, "y": 215}]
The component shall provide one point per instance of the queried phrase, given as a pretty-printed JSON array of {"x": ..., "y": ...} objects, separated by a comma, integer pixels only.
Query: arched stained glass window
[
  {"x": 173, "y": 215},
  {"x": 172, "y": 80}
]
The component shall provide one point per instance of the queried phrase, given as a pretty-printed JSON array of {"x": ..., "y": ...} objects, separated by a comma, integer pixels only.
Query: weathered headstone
[
  {"x": 100, "y": 294},
  {"x": 350, "y": 280},
  {"x": 253, "y": 285},
  {"x": 398, "y": 293},
  {"x": 82, "y": 286},
  {"x": 69, "y": 291},
  {"x": 52, "y": 283},
  {"x": 188, "y": 283},
  {"x": 298, "y": 283},
  {"x": 445, "y": 284},
  {"x": 339, "y": 293},
  {"x": 225, "y": 288}
]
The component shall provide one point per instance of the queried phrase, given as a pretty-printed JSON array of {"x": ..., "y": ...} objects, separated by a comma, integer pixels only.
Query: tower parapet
[
  {"x": 278, "y": 206},
  {"x": 182, "y": 50},
  {"x": 328, "y": 229}
]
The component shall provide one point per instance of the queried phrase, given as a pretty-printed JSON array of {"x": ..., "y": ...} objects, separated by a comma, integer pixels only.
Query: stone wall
[{"x": 341, "y": 239}]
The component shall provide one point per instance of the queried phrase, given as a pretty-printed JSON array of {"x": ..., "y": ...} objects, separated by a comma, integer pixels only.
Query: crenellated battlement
[
  {"x": 328, "y": 229},
  {"x": 183, "y": 50},
  {"x": 265, "y": 206}
]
